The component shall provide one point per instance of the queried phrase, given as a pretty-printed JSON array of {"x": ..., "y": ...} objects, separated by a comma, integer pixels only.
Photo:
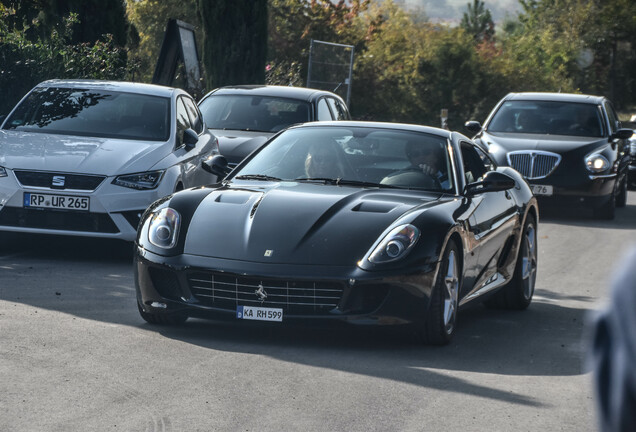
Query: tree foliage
[
  {"x": 28, "y": 60},
  {"x": 478, "y": 22},
  {"x": 235, "y": 44}
]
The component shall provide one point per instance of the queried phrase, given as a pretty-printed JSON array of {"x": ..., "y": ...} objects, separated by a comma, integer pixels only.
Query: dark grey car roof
[
  {"x": 301, "y": 93},
  {"x": 560, "y": 97}
]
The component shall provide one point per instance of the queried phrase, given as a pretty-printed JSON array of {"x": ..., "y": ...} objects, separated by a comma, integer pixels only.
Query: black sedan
[
  {"x": 357, "y": 222},
  {"x": 244, "y": 117},
  {"x": 570, "y": 147}
]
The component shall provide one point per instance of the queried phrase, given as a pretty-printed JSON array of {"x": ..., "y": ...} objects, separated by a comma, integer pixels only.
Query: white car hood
[{"x": 75, "y": 154}]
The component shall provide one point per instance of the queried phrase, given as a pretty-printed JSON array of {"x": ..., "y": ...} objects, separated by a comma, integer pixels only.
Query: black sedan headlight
[
  {"x": 141, "y": 181},
  {"x": 163, "y": 230},
  {"x": 395, "y": 245},
  {"x": 596, "y": 163}
]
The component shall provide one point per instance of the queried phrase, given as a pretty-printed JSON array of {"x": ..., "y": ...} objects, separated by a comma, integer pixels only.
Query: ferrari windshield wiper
[
  {"x": 257, "y": 177},
  {"x": 339, "y": 181},
  {"x": 325, "y": 180}
]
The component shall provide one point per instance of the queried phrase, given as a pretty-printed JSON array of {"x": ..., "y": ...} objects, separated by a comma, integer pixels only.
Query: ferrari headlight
[
  {"x": 146, "y": 180},
  {"x": 163, "y": 230},
  {"x": 596, "y": 163},
  {"x": 3, "y": 172},
  {"x": 396, "y": 244}
]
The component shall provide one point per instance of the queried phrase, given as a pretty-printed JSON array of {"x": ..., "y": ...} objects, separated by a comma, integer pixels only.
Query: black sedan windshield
[
  {"x": 92, "y": 112},
  {"x": 356, "y": 156},
  {"x": 548, "y": 118},
  {"x": 253, "y": 113}
]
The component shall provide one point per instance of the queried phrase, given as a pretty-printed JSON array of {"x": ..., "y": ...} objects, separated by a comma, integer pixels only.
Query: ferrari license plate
[
  {"x": 541, "y": 189},
  {"x": 62, "y": 202},
  {"x": 259, "y": 313}
]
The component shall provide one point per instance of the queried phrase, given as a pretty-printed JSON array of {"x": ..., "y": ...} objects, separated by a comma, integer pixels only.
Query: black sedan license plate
[
  {"x": 259, "y": 313},
  {"x": 541, "y": 189},
  {"x": 62, "y": 202}
]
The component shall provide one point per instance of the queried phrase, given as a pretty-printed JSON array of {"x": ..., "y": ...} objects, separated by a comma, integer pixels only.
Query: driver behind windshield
[{"x": 323, "y": 161}]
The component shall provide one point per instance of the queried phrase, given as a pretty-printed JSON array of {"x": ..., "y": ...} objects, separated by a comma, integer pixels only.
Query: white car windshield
[
  {"x": 94, "y": 113},
  {"x": 365, "y": 156}
]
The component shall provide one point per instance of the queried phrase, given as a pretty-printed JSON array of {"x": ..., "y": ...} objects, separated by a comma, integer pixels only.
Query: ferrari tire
[
  {"x": 440, "y": 321},
  {"x": 621, "y": 198},
  {"x": 162, "y": 318},
  {"x": 517, "y": 293}
]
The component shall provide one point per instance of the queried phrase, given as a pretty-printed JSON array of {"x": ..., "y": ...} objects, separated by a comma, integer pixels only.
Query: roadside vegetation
[{"x": 406, "y": 68}]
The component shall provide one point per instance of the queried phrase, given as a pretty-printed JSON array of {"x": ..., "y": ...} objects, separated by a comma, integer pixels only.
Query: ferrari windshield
[
  {"x": 94, "y": 113},
  {"x": 253, "y": 113},
  {"x": 548, "y": 118},
  {"x": 363, "y": 156}
]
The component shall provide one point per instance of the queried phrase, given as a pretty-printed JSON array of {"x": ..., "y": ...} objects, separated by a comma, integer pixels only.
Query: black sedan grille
[
  {"x": 71, "y": 181},
  {"x": 294, "y": 297},
  {"x": 57, "y": 220},
  {"x": 534, "y": 164}
]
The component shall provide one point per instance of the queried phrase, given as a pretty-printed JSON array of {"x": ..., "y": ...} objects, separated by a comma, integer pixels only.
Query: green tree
[
  {"x": 478, "y": 22},
  {"x": 150, "y": 17},
  {"x": 235, "y": 41}
]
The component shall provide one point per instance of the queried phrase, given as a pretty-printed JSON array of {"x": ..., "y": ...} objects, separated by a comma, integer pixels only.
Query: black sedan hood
[
  {"x": 235, "y": 145},
  {"x": 500, "y": 144},
  {"x": 296, "y": 222}
]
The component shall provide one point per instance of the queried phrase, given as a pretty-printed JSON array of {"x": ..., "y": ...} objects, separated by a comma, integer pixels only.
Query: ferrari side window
[{"x": 474, "y": 167}]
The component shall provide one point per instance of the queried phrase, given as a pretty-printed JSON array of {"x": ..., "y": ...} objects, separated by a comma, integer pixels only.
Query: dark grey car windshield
[
  {"x": 548, "y": 118},
  {"x": 253, "y": 113},
  {"x": 93, "y": 112}
]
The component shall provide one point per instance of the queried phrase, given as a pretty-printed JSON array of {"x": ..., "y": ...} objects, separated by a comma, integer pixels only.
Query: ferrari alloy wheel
[
  {"x": 517, "y": 294},
  {"x": 162, "y": 318},
  {"x": 441, "y": 319}
]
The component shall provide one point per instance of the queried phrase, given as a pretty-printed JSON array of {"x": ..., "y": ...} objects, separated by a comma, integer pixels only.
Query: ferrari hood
[
  {"x": 235, "y": 145},
  {"x": 296, "y": 222},
  {"x": 74, "y": 154}
]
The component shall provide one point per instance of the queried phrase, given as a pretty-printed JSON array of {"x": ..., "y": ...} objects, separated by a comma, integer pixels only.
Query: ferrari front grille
[
  {"x": 534, "y": 164},
  {"x": 294, "y": 297}
]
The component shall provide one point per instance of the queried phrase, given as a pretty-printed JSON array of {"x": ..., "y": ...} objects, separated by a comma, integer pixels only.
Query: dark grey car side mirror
[
  {"x": 493, "y": 181},
  {"x": 473, "y": 126},
  {"x": 216, "y": 165}
]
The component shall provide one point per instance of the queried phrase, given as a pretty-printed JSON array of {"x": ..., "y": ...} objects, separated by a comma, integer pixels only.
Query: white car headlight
[
  {"x": 3, "y": 172},
  {"x": 395, "y": 245},
  {"x": 163, "y": 230},
  {"x": 146, "y": 180},
  {"x": 596, "y": 163}
]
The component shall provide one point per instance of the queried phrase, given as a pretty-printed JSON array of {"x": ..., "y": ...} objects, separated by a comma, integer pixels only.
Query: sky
[{"x": 453, "y": 10}]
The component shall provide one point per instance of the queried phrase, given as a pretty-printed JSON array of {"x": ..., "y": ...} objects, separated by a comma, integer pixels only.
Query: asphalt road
[{"x": 76, "y": 356}]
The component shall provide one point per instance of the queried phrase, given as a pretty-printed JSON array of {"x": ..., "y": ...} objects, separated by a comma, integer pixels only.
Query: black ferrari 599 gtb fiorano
[{"x": 357, "y": 222}]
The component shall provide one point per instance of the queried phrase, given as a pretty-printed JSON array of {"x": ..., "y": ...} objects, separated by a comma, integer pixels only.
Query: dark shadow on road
[
  {"x": 544, "y": 340},
  {"x": 625, "y": 217}
]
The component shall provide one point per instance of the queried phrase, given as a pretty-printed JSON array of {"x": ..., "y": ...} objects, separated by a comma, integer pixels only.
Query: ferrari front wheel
[
  {"x": 517, "y": 294},
  {"x": 439, "y": 323}
]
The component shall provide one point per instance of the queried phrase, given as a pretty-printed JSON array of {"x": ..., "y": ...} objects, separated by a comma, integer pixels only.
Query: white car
[{"x": 85, "y": 157}]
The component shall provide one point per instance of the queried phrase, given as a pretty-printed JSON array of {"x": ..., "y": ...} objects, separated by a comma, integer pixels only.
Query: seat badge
[
  {"x": 58, "y": 181},
  {"x": 269, "y": 252},
  {"x": 260, "y": 293}
]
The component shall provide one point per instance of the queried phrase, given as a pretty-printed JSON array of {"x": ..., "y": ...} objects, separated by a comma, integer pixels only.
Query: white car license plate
[
  {"x": 64, "y": 202},
  {"x": 259, "y": 313},
  {"x": 541, "y": 189}
]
